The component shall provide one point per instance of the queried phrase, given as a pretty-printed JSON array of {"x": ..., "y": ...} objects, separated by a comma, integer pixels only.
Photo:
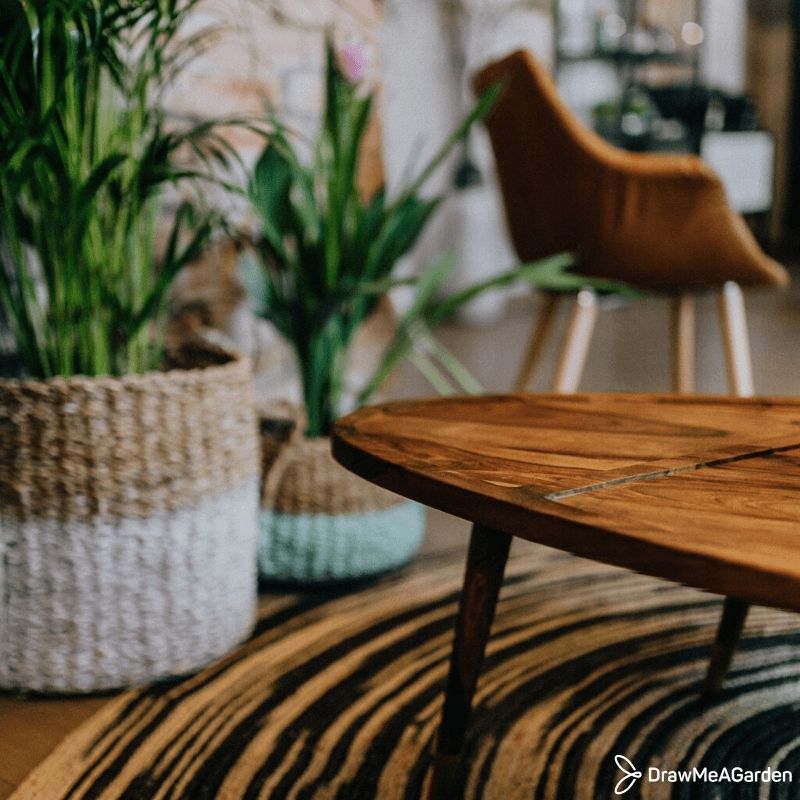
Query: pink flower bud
[{"x": 353, "y": 62}]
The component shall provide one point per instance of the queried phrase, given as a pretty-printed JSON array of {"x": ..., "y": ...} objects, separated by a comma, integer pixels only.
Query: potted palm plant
[
  {"x": 128, "y": 492},
  {"x": 328, "y": 256}
]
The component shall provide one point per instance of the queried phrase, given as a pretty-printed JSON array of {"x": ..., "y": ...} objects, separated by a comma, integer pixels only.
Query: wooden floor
[
  {"x": 31, "y": 728},
  {"x": 628, "y": 353}
]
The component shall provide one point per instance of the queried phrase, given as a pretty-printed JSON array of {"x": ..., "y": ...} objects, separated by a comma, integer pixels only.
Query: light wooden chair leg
[
  {"x": 737, "y": 342},
  {"x": 683, "y": 338},
  {"x": 486, "y": 563},
  {"x": 734, "y": 614},
  {"x": 576, "y": 343},
  {"x": 540, "y": 330}
]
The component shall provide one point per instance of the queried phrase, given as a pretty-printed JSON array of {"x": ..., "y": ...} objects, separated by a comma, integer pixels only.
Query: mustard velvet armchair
[{"x": 659, "y": 222}]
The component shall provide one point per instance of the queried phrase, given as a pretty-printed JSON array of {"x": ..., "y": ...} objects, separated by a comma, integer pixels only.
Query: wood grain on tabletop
[{"x": 699, "y": 490}]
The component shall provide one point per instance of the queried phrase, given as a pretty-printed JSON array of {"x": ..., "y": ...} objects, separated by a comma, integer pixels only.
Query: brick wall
[{"x": 264, "y": 49}]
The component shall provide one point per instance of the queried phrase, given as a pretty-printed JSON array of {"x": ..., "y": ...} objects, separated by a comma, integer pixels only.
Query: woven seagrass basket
[
  {"x": 128, "y": 523},
  {"x": 320, "y": 523}
]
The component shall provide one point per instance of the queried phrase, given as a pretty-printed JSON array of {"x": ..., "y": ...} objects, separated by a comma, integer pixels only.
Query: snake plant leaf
[
  {"x": 269, "y": 192},
  {"x": 461, "y": 376},
  {"x": 369, "y": 224},
  {"x": 304, "y": 195},
  {"x": 377, "y": 288},
  {"x": 399, "y": 232},
  {"x": 430, "y": 370},
  {"x": 428, "y": 284},
  {"x": 550, "y": 274}
]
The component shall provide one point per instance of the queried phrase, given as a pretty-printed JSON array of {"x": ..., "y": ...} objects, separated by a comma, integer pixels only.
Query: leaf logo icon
[{"x": 629, "y": 777}]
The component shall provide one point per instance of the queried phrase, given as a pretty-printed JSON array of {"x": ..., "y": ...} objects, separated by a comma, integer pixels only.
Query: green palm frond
[{"x": 84, "y": 155}]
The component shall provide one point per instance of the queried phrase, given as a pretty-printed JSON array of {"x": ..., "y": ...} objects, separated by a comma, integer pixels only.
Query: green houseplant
[
  {"x": 84, "y": 155},
  {"x": 127, "y": 495},
  {"x": 328, "y": 256}
]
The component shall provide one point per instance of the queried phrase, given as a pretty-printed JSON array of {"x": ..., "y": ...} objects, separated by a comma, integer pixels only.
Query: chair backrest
[
  {"x": 654, "y": 220},
  {"x": 544, "y": 156}
]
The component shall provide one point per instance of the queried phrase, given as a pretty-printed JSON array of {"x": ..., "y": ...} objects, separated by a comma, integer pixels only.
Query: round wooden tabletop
[{"x": 699, "y": 490}]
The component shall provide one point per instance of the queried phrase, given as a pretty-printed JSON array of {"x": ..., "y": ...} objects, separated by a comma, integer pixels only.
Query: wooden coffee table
[{"x": 702, "y": 491}]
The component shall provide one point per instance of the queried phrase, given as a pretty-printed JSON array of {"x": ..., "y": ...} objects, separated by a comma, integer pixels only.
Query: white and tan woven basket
[{"x": 128, "y": 518}]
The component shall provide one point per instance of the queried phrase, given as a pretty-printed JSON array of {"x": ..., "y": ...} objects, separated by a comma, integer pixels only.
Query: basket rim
[{"x": 134, "y": 380}]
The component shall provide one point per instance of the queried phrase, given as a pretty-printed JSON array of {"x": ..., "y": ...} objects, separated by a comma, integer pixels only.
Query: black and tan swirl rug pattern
[{"x": 338, "y": 697}]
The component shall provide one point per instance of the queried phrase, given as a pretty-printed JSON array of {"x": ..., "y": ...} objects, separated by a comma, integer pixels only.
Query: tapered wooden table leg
[
  {"x": 740, "y": 380},
  {"x": 488, "y": 553},
  {"x": 734, "y": 615}
]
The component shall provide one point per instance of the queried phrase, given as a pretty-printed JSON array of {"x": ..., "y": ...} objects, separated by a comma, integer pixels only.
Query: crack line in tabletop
[{"x": 667, "y": 473}]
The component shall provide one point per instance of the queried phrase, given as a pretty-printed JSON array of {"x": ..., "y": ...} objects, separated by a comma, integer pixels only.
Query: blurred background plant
[
  {"x": 328, "y": 253},
  {"x": 84, "y": 157}
]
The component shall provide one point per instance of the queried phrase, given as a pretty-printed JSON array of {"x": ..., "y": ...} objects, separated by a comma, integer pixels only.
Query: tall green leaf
[{"x": 84, "y": 155}]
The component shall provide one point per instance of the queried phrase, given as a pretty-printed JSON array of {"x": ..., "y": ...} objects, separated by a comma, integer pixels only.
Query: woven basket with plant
[
  {"x": 319, "y": 522},
  {"x": 328, "y": 256},
  {"x": 128, "y": 493}
]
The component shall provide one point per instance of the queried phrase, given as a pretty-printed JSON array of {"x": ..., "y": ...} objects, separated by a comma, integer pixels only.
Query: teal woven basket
[{"x": 320, "y": 523}]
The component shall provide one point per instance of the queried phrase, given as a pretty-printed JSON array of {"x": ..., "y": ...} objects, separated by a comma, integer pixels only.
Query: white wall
[
  {"x": 425, "y": 98},
  {"x": 723, "y": 60}
]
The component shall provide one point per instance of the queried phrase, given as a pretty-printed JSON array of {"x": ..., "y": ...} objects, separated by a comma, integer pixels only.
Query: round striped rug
[{"x": 338, "y": 696}]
